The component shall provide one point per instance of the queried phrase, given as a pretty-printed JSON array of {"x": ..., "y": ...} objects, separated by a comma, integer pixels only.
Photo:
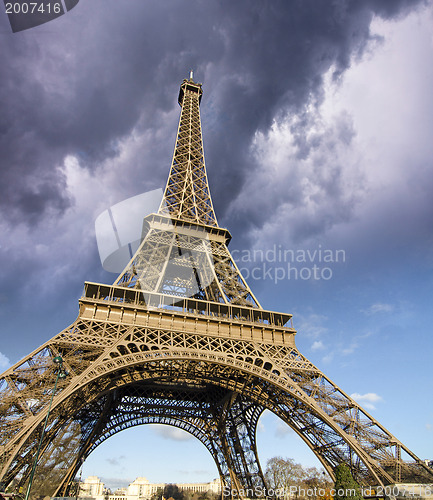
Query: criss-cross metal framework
[{"x": 180, "y": 339}]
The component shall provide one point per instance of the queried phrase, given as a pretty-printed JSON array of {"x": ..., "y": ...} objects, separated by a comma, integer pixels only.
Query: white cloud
[
  {"x": 317, "y": 345},
  {"x": 169, "y": 432},
  {"x": 340, "y": 171},
  {"x": 379, "y": 307},
  {"x": 328, "y": 358},
  {"x": 115, "y": 461},
  {"x": 4, "y": 362},
  {"x": 349, "y": 349},
  {"x": 367, "y": 400},
  {"x": 312, "y": 325},
  {"x": 115, "y": 482},
  {"x": 282, "y": 429},
  {"x": 309, "y": 178}
]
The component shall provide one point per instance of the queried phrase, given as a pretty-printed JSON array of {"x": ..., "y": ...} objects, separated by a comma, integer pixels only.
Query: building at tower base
[{"x": 140, "y": 489}]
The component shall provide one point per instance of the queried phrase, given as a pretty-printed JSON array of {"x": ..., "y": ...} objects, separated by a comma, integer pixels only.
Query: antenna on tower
[{"x": 191, "y": 74}]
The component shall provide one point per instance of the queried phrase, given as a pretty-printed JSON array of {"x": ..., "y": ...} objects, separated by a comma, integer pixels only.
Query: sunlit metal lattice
[{"x": 180, "y": 339}]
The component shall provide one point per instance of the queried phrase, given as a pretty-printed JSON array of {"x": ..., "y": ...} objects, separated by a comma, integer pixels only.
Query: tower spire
[
  {"x": 184, "y": 252},
  {"x": 187, "y": 195}
]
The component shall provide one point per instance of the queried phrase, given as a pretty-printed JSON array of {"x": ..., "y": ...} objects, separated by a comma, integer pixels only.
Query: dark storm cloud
[
  {"x": 276, "y": 56},
  {"x": 27, "y": 161},
  {"x": 308, "y": 185},
  {"x": 82, "y": 83}
]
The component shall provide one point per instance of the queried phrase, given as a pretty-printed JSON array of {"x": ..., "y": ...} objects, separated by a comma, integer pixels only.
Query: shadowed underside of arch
[{"x": 220, "y": 419}]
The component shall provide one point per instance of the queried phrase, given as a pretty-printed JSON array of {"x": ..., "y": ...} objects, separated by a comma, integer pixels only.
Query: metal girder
[{"x": 237, "y": 424}]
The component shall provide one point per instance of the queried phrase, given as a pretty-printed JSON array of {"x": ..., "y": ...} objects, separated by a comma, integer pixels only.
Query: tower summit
[
  {"x": 180, "y": 339},
  {"x": 184, "y": 252},
  {"x": 187, "y": 196}
]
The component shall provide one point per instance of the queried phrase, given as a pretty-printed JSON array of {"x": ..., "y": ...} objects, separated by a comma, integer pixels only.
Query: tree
[
  {"x": 289, "y": 479},
  {"x": 199, "y": 495},
  {"x": 173, "y": 491},
  {"x": 281, "y": 473},
  {"x": 316, "y": 484},
  {"x": 74, "y": 488},
  {"x": 157, "y": 495},
  {"x": 345, "y": 485}
]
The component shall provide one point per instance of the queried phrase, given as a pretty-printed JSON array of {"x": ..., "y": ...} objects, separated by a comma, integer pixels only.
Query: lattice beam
[{"x": 187, "y": 195}]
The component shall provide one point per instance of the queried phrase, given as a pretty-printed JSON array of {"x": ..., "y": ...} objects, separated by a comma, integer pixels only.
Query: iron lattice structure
[{"x": 180, "y": 339}]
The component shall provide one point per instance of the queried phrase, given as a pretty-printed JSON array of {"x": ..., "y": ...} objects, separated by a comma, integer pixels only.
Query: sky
[{"x": 317, "y": 119}]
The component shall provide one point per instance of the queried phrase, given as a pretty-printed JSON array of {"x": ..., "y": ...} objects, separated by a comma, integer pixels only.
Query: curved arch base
[{"x": 211, "y": 375}]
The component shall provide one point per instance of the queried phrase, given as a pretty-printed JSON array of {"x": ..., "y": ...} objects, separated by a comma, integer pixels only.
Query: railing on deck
[{"x": 138, "y": 298}]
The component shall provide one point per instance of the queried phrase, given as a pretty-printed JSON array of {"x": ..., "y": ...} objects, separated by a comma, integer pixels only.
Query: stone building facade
[{"x": 140, "y": 489}]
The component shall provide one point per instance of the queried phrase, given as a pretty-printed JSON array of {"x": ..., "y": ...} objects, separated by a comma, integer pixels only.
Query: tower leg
[{"x": 237, "y": 421}]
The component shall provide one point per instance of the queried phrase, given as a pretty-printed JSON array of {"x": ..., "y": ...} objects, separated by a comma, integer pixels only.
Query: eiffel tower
[{"x": 180, "y": 339}]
